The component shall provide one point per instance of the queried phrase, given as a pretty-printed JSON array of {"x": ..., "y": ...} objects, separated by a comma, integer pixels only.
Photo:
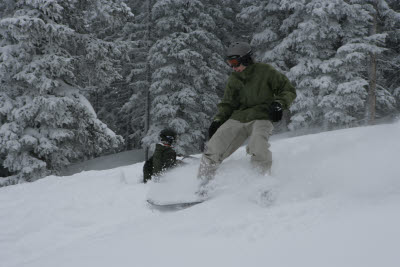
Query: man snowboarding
[{"x": 255, "y": 95}]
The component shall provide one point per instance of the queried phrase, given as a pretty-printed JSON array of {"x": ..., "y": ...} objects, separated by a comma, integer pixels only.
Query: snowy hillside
[{"x": 334, "y": 200}]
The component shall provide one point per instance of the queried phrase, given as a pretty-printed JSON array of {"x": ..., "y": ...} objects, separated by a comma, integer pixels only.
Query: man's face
[
  {"x": 236, "y": 65},
  {"x": 240, "y": 68}
]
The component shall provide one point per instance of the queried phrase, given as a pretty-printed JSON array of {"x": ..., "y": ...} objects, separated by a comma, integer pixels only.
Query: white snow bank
[{"x": 333, "y": 200}]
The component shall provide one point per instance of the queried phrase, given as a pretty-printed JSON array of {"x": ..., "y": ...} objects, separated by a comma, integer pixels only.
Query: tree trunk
[
  {"x": 371, "y": 108},
  {"x": 148, "y": 74}
]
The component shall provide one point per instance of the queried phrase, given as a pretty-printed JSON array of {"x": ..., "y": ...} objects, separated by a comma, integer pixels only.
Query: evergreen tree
[
  {"x": 264, "y": 19},
  {"x": 224, "y": 13},
  {"x": 386, "y": 14},
  {"x": 45, "y": 120},
  {"x": 323, "y": 46},
  {"x": 392, "y": 56},
  {"x": 142, "y": 35},
  {"x": 103, "y": 68},
  {"x": 189, "y": 71},
  {"x": 135, "y": 109}
]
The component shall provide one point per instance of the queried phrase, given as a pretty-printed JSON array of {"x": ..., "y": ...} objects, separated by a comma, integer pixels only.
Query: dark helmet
[
  {"x": 168, "y": 135},
  {"x": 240, "y": 51}
]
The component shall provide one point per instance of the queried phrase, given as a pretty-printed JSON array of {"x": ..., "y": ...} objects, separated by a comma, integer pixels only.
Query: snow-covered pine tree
[
  {"x": 189, "y": 70},
  {"x": 103, "y": 66},
  {"x": 323, "y": 47},
  {"x": 385, "y": 21},
  {"x": 45, "y": 121},
  {"x": 344, "y": 105},
  {"x": 135, "y": 109},
  {"x": 264, "y": 19},
  {"x": 391, "y": 57},
  {"x": 224, "y": 14}
]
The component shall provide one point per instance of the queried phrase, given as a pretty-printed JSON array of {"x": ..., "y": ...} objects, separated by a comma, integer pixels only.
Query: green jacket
[{"x": 249, "y": 94}]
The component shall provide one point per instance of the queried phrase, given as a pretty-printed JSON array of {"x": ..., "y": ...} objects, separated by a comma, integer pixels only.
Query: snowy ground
[{"x": 334, "y": 201}]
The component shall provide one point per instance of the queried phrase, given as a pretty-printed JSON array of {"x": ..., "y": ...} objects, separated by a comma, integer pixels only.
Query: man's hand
[
  {"x": 275, "y": 111},
  {"x": 213, "y": 128}
]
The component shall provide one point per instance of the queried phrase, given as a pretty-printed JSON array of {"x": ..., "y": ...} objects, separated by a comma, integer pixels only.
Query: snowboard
[{"x": 173, "y": 205}]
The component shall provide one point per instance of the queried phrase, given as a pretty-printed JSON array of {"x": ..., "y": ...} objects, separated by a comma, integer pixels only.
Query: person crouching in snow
[
  {"x": 254, "y": 97},
  {"x": 164, "y": 156}
]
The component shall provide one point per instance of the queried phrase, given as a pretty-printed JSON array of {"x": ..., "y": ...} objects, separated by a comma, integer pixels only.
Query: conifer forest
[{"x": 85, "y": 78}]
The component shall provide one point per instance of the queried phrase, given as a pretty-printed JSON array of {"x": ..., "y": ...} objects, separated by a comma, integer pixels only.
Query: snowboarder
[
  {"x": 254, "y": 97},
  {"x": 164, "y": 156}
]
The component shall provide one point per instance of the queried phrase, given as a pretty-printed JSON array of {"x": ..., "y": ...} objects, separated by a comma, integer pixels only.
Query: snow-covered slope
[{"x": 334, "y": 200}]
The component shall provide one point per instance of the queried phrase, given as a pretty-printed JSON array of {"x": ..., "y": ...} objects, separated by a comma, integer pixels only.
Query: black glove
[
  {"x": 213, "y": 128},
  {"x": 275, "y": 111}
]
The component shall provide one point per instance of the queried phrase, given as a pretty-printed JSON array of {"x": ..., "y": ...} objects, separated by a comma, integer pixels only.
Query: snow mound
[{"x": 332, "y": 200}]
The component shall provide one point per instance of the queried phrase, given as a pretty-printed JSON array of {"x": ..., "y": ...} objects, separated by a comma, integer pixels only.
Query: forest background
[{"x": 85, "y": 78}]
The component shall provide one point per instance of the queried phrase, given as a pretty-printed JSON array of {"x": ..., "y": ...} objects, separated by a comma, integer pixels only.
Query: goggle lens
[{"x": 234, "y": 62}]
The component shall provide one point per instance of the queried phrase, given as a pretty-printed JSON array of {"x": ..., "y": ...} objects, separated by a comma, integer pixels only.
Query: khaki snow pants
[{"x": 229, "y": 137}]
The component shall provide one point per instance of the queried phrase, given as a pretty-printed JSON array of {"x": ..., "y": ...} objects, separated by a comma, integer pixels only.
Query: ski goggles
[{"x": 234, "y": 61}]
